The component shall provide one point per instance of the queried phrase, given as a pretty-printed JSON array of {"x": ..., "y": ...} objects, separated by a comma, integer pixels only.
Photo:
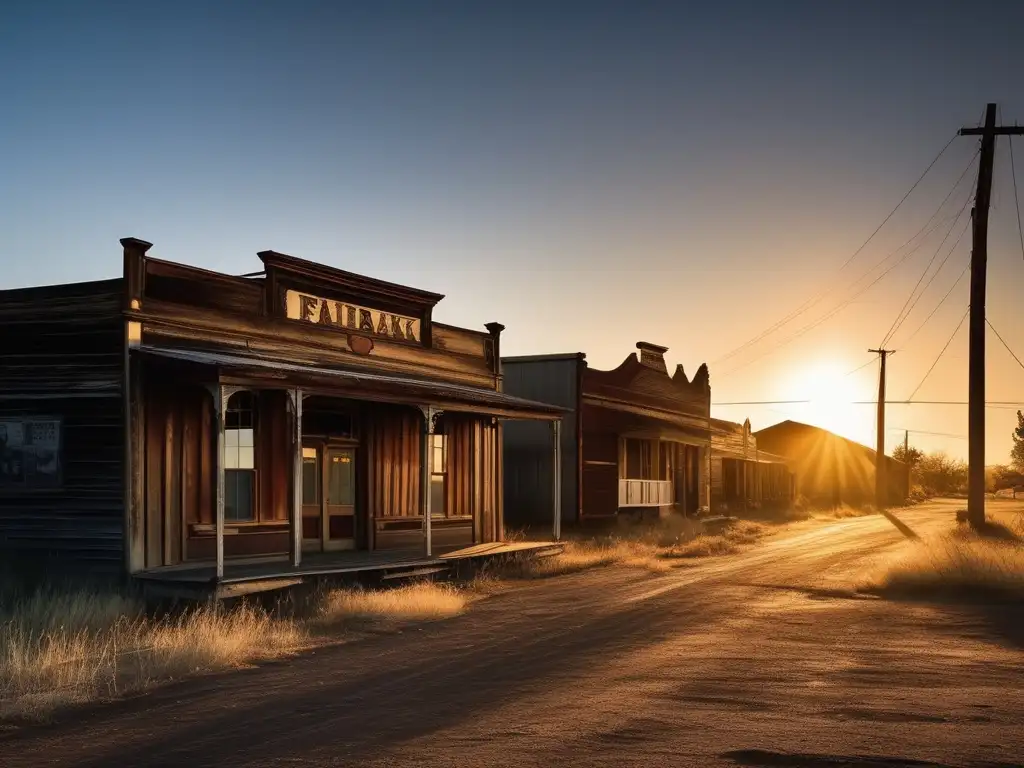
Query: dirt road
[{"x": 760, "y": 659}]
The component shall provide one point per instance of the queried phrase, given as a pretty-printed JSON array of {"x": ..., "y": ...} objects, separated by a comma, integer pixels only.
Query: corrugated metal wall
[
  {"x": 528, "y": 446},
  {"x": 62, "y": 357}
]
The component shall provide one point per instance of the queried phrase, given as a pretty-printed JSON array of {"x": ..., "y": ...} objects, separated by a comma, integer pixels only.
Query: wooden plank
[
  {"x": 172, "y": 522},
  {"x": 306, "y": 342},
  {"x": 478, "y": 499},
  {"x": 191, "y": 420},
  {"x": 136, "y": 424},
  {"x": 498, "y": 531},
  {"x": 460, "y": 340},
  {"x": 154, "y": 478},
  {"x": 206, "y": 465}
]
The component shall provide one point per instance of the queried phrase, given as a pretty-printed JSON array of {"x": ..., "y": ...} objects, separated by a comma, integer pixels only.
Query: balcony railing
[{"x": 645, "y": 493}]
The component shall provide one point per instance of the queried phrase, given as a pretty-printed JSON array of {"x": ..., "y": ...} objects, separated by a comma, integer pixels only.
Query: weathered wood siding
[
  {"x": 62, "y": 356},
  {"x": 179, "y": 497},
  {"x": 392, "y": 443},
  {"x": 600, "y": 473}
]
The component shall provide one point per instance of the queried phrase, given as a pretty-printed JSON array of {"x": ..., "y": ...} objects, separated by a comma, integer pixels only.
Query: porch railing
[{"x": 645, "y": 493}]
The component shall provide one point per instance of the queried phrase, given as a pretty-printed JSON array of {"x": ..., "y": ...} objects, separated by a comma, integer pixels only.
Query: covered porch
[
  {"x": 249, "y": 576},
  {"x": 654, "y": 461},
  {"x": 251, "y": 470}
]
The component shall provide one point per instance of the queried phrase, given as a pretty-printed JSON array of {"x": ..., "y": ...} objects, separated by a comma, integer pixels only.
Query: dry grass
[
  {"x": 58, "y": 649},
  {"x": 63, "y": 648},
  {"x": 958, "y": 564},
  {"x": 656, "y": 547},
  {"x": 425, "y": 601},
  {"x": 844, "y": 511},
  {"x": 733, "y": 539}
]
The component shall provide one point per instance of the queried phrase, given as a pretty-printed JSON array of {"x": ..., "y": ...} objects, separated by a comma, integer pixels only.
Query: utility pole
[
  {"x": 881, "y": 496},
  {"x": 976, "y": 363},
  {"x": 906, "y": 457}
]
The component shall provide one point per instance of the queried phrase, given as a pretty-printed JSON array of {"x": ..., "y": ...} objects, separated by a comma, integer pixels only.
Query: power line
[
  {"x": 860, "y": 367},
  {"x": 936, "y": 309},
  {"x": 850, "y": 300},
  {"x": 941, "y": 353},
  {"x": 911, "y": 300},
  {"x": 1016, "y": 200},
  {"x": 991, "y": 403},
  {"x": 834, "y": 311},
  {"x": 926, "y": 432},
  {"x": 1014, "y": 356},
  {"x": 820, "y": 295}
]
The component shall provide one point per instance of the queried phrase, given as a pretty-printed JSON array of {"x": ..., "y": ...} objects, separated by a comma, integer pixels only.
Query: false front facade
[
  {"x": 634, "y": 438},
  {"x": 176, "y": 417}
]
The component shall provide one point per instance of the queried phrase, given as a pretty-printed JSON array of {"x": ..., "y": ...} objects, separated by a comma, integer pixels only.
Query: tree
[
  {"x": 1003, "y": 478},
  {"x": 1017, "y": 452},
  {"x": 909, "y": 456},
  {"x": 939, "y": 475}
]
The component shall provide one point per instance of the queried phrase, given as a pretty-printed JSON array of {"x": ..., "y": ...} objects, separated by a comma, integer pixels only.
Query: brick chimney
[{"x": 652, "y": 356}]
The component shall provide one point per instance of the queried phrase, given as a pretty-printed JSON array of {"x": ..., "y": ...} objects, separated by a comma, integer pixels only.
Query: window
[
  {"x": 640, "y": 464},
  {"x": 240, "y": 458},
  {"x": 30, "y": 453},
  {"x": 310, "y": 477},
  {"x": 341, "y": 481},
  {"x": 439, "y": 470},
  {"x": 665, "y": 461}
]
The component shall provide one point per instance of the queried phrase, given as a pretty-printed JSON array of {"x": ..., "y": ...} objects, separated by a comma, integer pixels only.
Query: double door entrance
[{"x": 328, "y": 497}]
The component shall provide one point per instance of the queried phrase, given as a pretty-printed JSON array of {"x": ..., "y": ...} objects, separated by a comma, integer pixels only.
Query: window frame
[
  {"x": 439, "y": 442},
  {"x": 253, "y": 471}
]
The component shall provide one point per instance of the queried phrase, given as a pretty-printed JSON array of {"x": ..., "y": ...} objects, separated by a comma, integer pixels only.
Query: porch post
[
  {"x": 556, "y": 483},
  {"x": 220, "y": 398},
  {"x": 428, "y": 468},
  {"x": 295, "y": 395}
]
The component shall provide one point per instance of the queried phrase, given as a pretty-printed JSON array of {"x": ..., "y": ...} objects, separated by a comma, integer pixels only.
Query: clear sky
[{"x": 590, "y": 174}]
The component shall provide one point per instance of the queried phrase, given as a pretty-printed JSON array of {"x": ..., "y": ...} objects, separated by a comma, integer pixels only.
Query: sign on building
[
  {"x": 30, "y": 453},
  {"x": 350, "y": 317}
]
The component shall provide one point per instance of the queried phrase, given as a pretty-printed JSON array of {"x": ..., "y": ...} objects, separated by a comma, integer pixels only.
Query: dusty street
[{"x": 761, "y": 659}]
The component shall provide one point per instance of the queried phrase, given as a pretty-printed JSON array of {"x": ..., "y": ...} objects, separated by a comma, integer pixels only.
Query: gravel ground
[{"x": 767, "y": 658}]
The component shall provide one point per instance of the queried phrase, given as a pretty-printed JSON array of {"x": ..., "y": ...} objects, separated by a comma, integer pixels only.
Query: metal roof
[{"x": 370, "y": 386}]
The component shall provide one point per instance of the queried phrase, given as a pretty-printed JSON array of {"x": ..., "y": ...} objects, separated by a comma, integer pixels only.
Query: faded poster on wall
[{"x": 30, "y": 453}]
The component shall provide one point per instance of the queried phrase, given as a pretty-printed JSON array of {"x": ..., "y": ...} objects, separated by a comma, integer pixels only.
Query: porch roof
[
  {"x": 647, "y": 426},
  {"x": 753, "y": 455},
  {"x": 363, "y": 385}
]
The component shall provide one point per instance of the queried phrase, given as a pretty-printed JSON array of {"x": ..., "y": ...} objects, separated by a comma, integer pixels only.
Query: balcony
[{"x": 645, "y": 493}]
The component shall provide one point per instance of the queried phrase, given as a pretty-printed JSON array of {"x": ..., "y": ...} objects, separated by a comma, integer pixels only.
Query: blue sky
[{"x": 590, "y": 174}]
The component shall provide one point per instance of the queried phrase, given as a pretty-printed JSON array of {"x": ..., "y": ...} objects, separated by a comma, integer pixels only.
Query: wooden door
[
  {"x": 328, "y": 497},
  {"x": 312, "y": 497},
  {"x": 339, "y": 517}
]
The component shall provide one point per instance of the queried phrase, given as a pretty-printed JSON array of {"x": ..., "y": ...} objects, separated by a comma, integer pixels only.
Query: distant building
[
  {"x": 831, "y": 469},
  {"x": 636, "y": 438},
  {"x": 742, "y": 474}
]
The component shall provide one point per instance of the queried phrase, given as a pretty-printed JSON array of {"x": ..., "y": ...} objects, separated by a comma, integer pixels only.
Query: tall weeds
[
  {"x": 59, "y": 648},
  {"x": 958, "y": 564}
]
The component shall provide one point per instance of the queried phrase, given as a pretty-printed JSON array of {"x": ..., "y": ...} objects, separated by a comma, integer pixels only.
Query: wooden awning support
[
  {"x": 220, "y": 398},
  {"x": 429, "y": 419},
  {"x": 295, "y": 396},
  {"x": 556, "y": 474}
]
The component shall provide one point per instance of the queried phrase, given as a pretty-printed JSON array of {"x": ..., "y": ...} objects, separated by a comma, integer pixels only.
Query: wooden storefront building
[
  {"x": 742, "y": 475},
  {"x": 176, "y": 418},
  {"x": 634, "y": 439}
]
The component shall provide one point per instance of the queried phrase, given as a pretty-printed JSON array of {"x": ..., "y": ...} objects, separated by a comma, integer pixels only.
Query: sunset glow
[{"x": 831, "y": 390}]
